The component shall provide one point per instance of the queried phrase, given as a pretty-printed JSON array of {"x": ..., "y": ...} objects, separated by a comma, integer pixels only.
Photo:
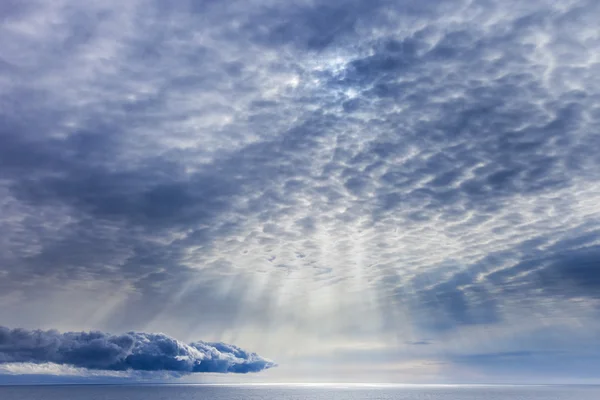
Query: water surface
[{"x": 201, "y": 392}]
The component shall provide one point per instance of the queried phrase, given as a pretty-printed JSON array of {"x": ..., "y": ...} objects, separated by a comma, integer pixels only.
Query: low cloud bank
[{"x": 135, "y": 351}]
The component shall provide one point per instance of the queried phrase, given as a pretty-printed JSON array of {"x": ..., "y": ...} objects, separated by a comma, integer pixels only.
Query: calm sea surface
[{"x": 102, "y": 392}]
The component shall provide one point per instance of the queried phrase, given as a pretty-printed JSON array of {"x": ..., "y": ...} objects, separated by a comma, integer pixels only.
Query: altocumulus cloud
[
  {"x": 336, "y": 174},
  {"x": 135, "y": 351}
]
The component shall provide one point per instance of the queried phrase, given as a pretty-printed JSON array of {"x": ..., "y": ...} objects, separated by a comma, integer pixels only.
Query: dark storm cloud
[{"x": 134, "y": 351}]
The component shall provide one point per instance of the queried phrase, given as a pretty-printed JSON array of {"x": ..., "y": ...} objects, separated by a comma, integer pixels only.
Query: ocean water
[{"x": 203, "y": 392}]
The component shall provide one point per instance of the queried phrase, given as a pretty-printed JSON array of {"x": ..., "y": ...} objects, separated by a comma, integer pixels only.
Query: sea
[{"x": 224, "y": 392}]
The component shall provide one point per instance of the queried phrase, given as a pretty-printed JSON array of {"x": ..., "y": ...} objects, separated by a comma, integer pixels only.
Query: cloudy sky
[{"x": 365, "y": 191}]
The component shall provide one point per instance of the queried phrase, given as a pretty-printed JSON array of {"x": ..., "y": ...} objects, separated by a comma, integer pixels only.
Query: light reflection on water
[{"x": 299, "y": 392}]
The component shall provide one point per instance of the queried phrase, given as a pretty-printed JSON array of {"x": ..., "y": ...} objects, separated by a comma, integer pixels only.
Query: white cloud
[{"x": 314, "y": 172}]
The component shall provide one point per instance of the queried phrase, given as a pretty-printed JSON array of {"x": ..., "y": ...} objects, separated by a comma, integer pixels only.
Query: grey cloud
[
  {"x": 133, "y": 351},
  {"x": 241, "y": 157},
  {"x": 419, "y": 343},
  {"x": 567, "y": 273}
]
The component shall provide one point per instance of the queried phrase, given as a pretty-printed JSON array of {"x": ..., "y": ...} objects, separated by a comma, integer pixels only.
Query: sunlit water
[{"x": 106, "y": 392}]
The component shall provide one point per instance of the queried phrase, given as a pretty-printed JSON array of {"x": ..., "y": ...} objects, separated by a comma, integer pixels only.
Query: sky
[{"x": 349, "y": 191}]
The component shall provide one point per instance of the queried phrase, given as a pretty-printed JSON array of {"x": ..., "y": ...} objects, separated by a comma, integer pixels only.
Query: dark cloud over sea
[{"x": 133, "y": 351}]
